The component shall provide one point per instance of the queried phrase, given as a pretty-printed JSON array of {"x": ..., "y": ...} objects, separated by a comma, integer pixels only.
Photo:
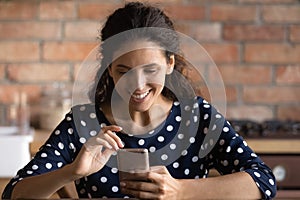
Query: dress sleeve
[
  {"x": 59, "y": 150},
  {"x": 231, "y": 153}
]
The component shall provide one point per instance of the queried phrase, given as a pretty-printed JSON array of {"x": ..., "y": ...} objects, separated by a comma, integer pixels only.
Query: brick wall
[{"x": 255, "y": 44}]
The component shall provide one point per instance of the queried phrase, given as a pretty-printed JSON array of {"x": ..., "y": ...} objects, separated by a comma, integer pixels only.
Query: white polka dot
[
  {"x": 175, "y": 165},
  {"x": 205, "y": 116},
  {"x": 195, "y": 159},
  {"x": 211, "y": 142},
  {"x": 82, "y": 191},
  {"x": 103, "y": 179},
  {"x": 271, "y": 181},
  {"x": 141, "y": 142},
  {"x": 245, "y": 143},
  {"x": 257, "y": 184},
  {"x": 94, "y": 188},
  {"x": 236, "y": 162},
  {"x": 253, "y": 155},
  {"x": 35, "y": 167},
  {"x": 170, "y": 128},
  {"x": 195, "y": 105},
  {"x": 48, "y": 165},
  {"x": 186, "y": 171},
  {"x": 240, "y": 150},
  {"x": 218, "y": 116},
  {"x": 83, "y": 123},
  {"x": 70, "y": 131},
  {"x": 195, "y": 119},
  {"x": 257, "y": 174},
  {"x": 225, "y": 163},
  {"x": 59, "y": 164},
  {"x": 184, "y": 152},
  {"x": 214, "y": 127},
  {"x": 228, "y": 149},
  {"x": 44, "y": 155},
  {"x": 188, "y": 122},
  {"x": 225, "y": 129},
  {"x": 114, "y": 170},
  {"x": 82, "y": 108},
  {"x": 173, "y": 146},
  {"x": 57, "y": 132},
  {"x": 151, "y": 132},
  {"x": 187, "y": 108},
  {"x": 268, "y": 192},
  {"x": 180, "y": 136},
  {"x": 164, "y": 157},
  {"x": 115, "y": 189},
  {"x": 92, "y": 115},
  {"x": 205, "y": 130},
  {"x": 160, "y": 138},
  {"x": 192, "y": 140},
  {"x": 176, "y": 103},
  {"x": 204, "y": 101},
  {"x": 102, "y": 125},
  {"x": 152, "y": 149},
  {"x": 82, "y": 140},
  {"x": 93, "y": 133},
  {"x": 29, "y": 172},
  {"x": 61, "y": 145},
  {"x": 206, "y": 106},
  {"x": 71, "y": 146},
  {"x": 56, "y": 153},
  {"x": 69, "y": 118},
  {"x": 178, "y": 118}
]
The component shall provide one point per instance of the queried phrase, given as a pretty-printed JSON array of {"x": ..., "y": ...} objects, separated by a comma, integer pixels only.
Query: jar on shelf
[{"x": 55, "y": 103}]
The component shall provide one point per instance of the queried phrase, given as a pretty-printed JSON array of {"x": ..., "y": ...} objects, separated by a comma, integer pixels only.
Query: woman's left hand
[{"x": 154, "y": 184}]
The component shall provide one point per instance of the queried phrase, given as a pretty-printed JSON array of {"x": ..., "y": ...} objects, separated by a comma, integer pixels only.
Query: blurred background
[{"x": 254, "y": 43}]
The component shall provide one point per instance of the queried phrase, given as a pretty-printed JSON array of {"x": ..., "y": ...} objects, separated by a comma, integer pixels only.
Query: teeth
[{"x": 140, "y": 96}]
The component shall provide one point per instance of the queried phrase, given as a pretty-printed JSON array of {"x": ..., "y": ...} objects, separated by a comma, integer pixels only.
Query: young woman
[{"x": 138, "y": 103}]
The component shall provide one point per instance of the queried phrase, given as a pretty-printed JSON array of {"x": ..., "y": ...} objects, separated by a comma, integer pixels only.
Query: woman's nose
[{"x": 137, "y": 79}]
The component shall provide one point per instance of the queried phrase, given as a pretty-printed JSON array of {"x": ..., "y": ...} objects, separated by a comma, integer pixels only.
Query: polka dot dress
[{"x": 194, "y": 139}]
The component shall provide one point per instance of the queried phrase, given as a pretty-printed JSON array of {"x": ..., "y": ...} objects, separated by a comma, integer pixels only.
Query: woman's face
[{"x": 139, "y": 75}]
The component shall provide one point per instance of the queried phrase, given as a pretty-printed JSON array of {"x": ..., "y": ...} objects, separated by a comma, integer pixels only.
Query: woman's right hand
[{"x": 92, "y": 157}]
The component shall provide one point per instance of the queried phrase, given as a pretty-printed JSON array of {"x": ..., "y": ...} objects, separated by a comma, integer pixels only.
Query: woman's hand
[
  {"x": 155, "y": 184},
  {"x": 96, "y": 151}
]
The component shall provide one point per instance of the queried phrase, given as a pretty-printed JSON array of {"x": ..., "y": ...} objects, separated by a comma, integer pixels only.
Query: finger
[
  {"x": 159, "y": 169},
  {"x": 140, "y": 194},
  {"x": 116, "y": 138},
  {"x": 140, "y": 185},
  {"x": 110, "y": 140},
  {"x": 104, "y": 143},
  {"x": 112, "y": 128}
]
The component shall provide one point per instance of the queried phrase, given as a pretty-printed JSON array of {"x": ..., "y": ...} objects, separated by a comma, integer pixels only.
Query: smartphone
[{"x": 132, "y": 160}]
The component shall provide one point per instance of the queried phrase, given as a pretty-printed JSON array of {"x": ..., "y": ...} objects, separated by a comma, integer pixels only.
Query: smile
[{"x": 140, "y": 96}]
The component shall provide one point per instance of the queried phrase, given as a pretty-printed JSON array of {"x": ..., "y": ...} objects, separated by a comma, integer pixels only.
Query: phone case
[{"x": 130, "y": 160}]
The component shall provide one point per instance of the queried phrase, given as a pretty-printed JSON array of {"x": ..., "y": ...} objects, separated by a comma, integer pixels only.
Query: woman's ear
[{"x": 171, "y": 64}]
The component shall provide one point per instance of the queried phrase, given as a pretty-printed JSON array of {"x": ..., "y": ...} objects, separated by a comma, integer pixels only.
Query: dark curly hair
[{"x": 136, "y": 15}]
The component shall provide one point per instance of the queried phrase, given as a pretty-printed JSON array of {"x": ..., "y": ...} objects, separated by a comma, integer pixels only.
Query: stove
[{"x": 285, "y": 165}]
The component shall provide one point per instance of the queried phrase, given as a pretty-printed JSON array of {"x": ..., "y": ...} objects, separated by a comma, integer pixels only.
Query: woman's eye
[{"x": 150, "y": 71}]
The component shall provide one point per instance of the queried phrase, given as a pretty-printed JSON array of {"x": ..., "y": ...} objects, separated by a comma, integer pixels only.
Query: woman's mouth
[{"x": 140, "y": 96}]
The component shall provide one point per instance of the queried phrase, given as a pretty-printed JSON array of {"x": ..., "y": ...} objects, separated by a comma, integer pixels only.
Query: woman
[{"x": 136, "y": 91}]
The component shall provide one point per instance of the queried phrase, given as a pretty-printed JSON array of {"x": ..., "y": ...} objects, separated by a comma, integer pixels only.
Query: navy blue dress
[{"x": 193, "y": 139}]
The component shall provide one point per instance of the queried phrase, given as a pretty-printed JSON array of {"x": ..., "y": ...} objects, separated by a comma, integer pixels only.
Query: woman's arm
[
  {"x": 238, "y": 185},
  {"x": 44, "y": 185}
]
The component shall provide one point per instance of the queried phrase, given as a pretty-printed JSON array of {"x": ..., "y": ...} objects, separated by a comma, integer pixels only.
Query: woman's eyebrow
[{"x": 144, "y": 66}]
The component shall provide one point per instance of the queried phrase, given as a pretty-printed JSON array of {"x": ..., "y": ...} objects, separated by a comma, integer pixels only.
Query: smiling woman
[{"x": 141, "y": 100}]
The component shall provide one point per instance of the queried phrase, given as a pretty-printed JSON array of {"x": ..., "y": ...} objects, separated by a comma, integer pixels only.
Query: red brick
[
  {"x": 67, "y": 51},
  {"x": 272, "y": 53},
  {"x": 7, "y": 92},
  {"x": 200, "y": 31},
  {"x": 221, "y": 53},
  {"x": 19, "y": 51},
  {"x": 57, "y": 9},
  {"x": 295, "y": 33},
  {"x": 288, "y": 75},
  {"x": 240, "y": 75},
  {"x": 269, "y": 1},
  {"x": 18, "y": 10},
  {"x": 253, "y": 32},
  {"x": 30, "y": 30},
  {"x": 271, "y": 95},
  {"x": 249, "y": 112},
  {"x": 288, "y": 112},
  {"x": 2, "y": 71},
  {"x": 82, "y": 30},
  {"x": 39, "y": 72},
  {"x": 237, "y": 13},
  {"x": 281, "y": 13},
  {"x": 185, "y": 12},
  {"x": 96, "y": 11}
]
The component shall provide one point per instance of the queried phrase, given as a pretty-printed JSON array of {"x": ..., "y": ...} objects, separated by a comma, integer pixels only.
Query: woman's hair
[{"x": 136, "y": 15}]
